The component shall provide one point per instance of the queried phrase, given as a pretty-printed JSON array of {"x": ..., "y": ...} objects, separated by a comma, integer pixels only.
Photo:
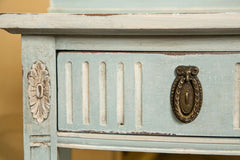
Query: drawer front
[{"x": 129, "y": 93}]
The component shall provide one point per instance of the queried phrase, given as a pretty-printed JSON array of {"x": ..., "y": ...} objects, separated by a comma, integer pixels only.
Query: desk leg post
[{"x": 39, "y": 98}]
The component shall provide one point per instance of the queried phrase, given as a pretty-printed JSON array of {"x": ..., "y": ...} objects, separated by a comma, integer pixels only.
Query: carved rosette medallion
[
  {"x": 186, "y": 94},
  {"x": 38, "y": 91}
]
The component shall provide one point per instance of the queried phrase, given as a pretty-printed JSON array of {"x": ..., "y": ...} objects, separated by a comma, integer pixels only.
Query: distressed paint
[
  {"x": 41, "y": 140},
  {"x": 120, "y": 93},
  {"x": 207, "y": 147},
  {"x": 126, "y": 24},
  {"x": 143, "y": 6},
  {"x": 138, "y": 94},
  {"x": 38, "y": 91},
  {"x": 102, "y": 93},
  {"x": 37, "y": 135},
  {"x": 149, "y": 43},
  {"x": 85, "y": 92},
  {"x": 69, "y": 90},
  {"x": 159, "y": 138},
  {"x": 236, "y": 120},
  {"x": 33, "y": 48},
  {"x": 215, "y": 119},
  {"x": 40, "y": 153}
]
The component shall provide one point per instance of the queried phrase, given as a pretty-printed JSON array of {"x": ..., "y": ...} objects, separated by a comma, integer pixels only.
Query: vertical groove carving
[
  {"x": 69, "y": 92},
  {"x": 138, "y": 93},
  {"x": 120, "y": 94},
  {"x": 85, "y": 92},
  {"x": 102, "y": 90},
  {"x": 236, "y": 120}
]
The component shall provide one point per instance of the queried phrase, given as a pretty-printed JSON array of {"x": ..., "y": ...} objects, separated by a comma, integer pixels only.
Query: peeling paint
[
  {"x": 165, "y": 53},
  {"x": 39, "y": 144},
  {"x": 123, "y": 133},
  {"x": 99, "y": 14}
]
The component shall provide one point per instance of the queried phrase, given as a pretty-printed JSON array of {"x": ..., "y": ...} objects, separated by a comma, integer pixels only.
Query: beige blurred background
[{"x": 11, "y": 141}]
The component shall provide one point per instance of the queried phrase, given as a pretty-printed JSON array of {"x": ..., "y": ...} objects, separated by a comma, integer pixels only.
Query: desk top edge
[{"x": 122, "y": 24}]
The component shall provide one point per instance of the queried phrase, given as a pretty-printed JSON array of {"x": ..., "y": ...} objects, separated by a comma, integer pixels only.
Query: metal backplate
[{"x": 186, "y": 93}]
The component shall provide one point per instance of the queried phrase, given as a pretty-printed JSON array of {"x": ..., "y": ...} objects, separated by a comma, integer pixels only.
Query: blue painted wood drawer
[
  {"x": 143, "y": 6},
  {"x": 129, "y": 93}
]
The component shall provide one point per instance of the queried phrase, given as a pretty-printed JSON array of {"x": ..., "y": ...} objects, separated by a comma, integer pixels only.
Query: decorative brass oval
[{"x": 186, "y": 94}]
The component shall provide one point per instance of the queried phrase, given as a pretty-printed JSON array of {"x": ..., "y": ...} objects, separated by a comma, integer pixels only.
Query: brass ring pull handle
[{"x": 186, "y": 94}]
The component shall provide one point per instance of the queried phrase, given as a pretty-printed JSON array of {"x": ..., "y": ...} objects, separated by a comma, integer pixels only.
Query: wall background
[{"x": 11, "y": 141}]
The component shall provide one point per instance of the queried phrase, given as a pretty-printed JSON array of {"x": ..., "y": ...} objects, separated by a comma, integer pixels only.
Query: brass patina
[{"x": 186, "y": 94}]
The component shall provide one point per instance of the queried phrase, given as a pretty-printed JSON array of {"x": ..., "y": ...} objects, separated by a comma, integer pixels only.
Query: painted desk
[{"x": 107, "y": 82}]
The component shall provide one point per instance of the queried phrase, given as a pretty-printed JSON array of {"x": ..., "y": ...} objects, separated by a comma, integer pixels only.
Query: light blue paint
[
  {"x": 152, "y": 146},
  {"x": 40, "y": 153},
  {"x": 35, "y": 48},
  {"x": 216, "y": 74},
  {"x": 143, "y": 6}
]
